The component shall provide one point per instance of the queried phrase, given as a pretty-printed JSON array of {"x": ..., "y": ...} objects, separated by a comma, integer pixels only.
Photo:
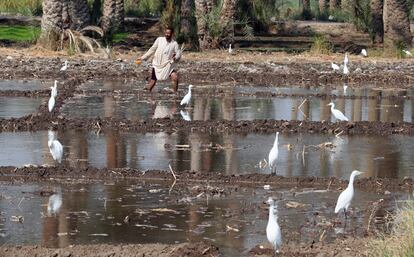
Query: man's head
[{"x": 169, "y": 31}]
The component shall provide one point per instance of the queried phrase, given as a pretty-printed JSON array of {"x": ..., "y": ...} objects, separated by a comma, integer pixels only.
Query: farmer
[{"x": 166, "y": 54}]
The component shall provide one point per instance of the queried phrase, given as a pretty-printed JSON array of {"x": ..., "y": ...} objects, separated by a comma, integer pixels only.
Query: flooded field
[
  {"x": 153, "y": 213},
  {"x": 299, "y": 155},
  {"x": 15, "y": 107}
]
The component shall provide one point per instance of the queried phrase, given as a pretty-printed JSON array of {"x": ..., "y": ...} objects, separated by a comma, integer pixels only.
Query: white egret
[
  {"x": 186, "y": 99},
  {"x": 64, "y": 67},
  {"x": 51, "y": 102},
  {"x": 230, "y": 49},
  {"x": 54, "y": 89},
  {"x": 345, "y": 198},
  {"x": 345, "y": 88},
  {"x": 185, "y": 115},
  {"x": 408, "y": 53},
  {"x": 337, "y": 113},
  {"x": 273, "y": 154},
  {"x": 54, "y": 204},
  {"x": 55, "y": 147},
  {"x": 274, "y": 236},
  {"x": 334, "y": 66},
  {"x": 364, "y": 53},
  {"x": 346, "y": 70},
  {"x": 346, "y": 60}
]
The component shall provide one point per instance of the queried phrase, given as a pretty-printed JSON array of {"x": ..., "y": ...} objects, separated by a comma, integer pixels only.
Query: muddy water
[
  {"x": 230, "y": 154},
  {"x": 24, "y": 85},
  {"x": 240, "y": 108},
  {"x": 95, "y": 213},
  {"x": 15, "y": 107}
]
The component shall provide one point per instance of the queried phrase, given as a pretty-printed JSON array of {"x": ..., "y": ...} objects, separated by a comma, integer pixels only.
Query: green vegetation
[
  {"x": 401, "y": 241},
  {"x": 119, "y": 37},
  {"x": 320, "y": 45},
  {"x": 24, "y": 7},
  {"x": 19, "y": 33}
]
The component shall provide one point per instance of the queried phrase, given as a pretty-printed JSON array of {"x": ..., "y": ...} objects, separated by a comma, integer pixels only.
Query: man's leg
[
  {"x": 153, "y": 81},
  {"x": 174, "y": 79}
]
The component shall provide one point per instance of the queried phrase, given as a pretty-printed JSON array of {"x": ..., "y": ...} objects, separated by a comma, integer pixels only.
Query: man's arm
[
  {"x": 177, "y": 52},
  {"x": 150, "y": 51}
]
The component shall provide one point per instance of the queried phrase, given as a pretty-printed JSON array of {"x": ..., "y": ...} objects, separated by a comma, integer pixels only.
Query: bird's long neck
[
  {"x": 271, "y": 212},
  {"x": 189, "y": 91},
  {"x": 276, "y": 140},
  {"x": 351, "y": 181},
  {"x": 332, "y": 107}
]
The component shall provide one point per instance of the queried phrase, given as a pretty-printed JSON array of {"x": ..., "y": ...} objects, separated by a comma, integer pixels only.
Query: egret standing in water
[
  {"x": 346, "y": 70},
  {"x": 274, "y": 236},
  {"x": 54, "y": 89},
  {"x": 273, "y": 154},
  {"x": 54, "y": 204},
  {"x": 55, "y": 147},
  {"x": 64, "y": 67},
  {"x": 346, "y": 60},
  {"x": 345, "y": 198},
  {"x": 187, "y": 97},
  {"x": 185, "y": 115},
  {"x": 230, "y": 49},
  {"x": 334, "y": 66},
  {"x": 364, "y": 53},
  {"x": 51, "y": 102},
  {"x": 337, "y": 113}
]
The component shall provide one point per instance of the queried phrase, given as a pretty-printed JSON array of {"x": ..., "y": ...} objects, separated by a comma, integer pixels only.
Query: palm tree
[
  {"x": 227, "y": 13},
  {"x": 377, "y": 21},
  {"x": 306, "y": 10},
  {"x": 113, "y": 16},
  {"x": 397, "y": 24},
  {"x": 187, "y": 23},
  {"x": 333, "y": 6},
  {"x": 202, "y": 8},
  {"x": 322, "y": 6},
  {"x": 59, "y": 15}
]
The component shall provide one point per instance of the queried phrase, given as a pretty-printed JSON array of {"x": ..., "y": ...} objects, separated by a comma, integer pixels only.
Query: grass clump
[
  {"x": 320, "y": 45},
  {"x": 401, "y": 241},
  {"x": 24, "y": 7},
  {"x": 18, "y": 33}
]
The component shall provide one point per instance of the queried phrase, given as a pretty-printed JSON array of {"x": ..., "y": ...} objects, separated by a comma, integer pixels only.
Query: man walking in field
[{"x": 166, "y": 54}]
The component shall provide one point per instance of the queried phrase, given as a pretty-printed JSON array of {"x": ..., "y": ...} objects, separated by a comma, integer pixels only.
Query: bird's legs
[{"x": 273, "y": 172}]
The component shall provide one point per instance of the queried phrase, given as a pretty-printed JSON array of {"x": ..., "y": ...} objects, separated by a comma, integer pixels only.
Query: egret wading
[
  {"x": 345, "y": 198},
  {"x": 51, "y": 102},
  {"x": 64, "y": 67},
  {"x": 54, "y": 89},
  {"x": 55, "y": 147},
  {"x": 274, "y": 236},
  {"x": 337, "y": 113},
  {"x": 334, "y": 66},
  {"x": 364, "y": 53},
  {"x": 273, "y": 154},
  {"x": 230, "y": 49},
  {"x": 187, "y": 98}
]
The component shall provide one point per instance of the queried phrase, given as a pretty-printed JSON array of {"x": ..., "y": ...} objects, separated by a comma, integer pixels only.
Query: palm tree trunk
[
  {"x": 52, "y": 23},
  {"x": 59, "y": 15},
  {"x": 228, "y": 11},
  {"x": 202, "y": 8},
  {"x": 397, "y": 25},
  {"x": 113, "y": 16},
  {"x": 322, "y": 6},
  {"x": 333, "y": 6},
  {"x": 377, "y": 21},
  {"x": 187, "y": 24}
]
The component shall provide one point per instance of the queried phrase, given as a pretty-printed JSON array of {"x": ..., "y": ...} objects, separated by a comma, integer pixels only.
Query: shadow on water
[
  {"x": 96, "y": 213},
  {"x": 324, "y": 155}
]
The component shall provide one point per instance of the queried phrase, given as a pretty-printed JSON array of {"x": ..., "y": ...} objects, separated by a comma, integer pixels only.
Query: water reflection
[
  {"x": 23, "y": 85},
  {"x": 299, "y": 155},
  {"x": 95, "y": 213},
  {"x": 243, "y": 108}
]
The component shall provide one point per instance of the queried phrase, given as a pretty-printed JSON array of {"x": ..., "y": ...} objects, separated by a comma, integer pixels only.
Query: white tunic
[{"x": 163, "y": 52}]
